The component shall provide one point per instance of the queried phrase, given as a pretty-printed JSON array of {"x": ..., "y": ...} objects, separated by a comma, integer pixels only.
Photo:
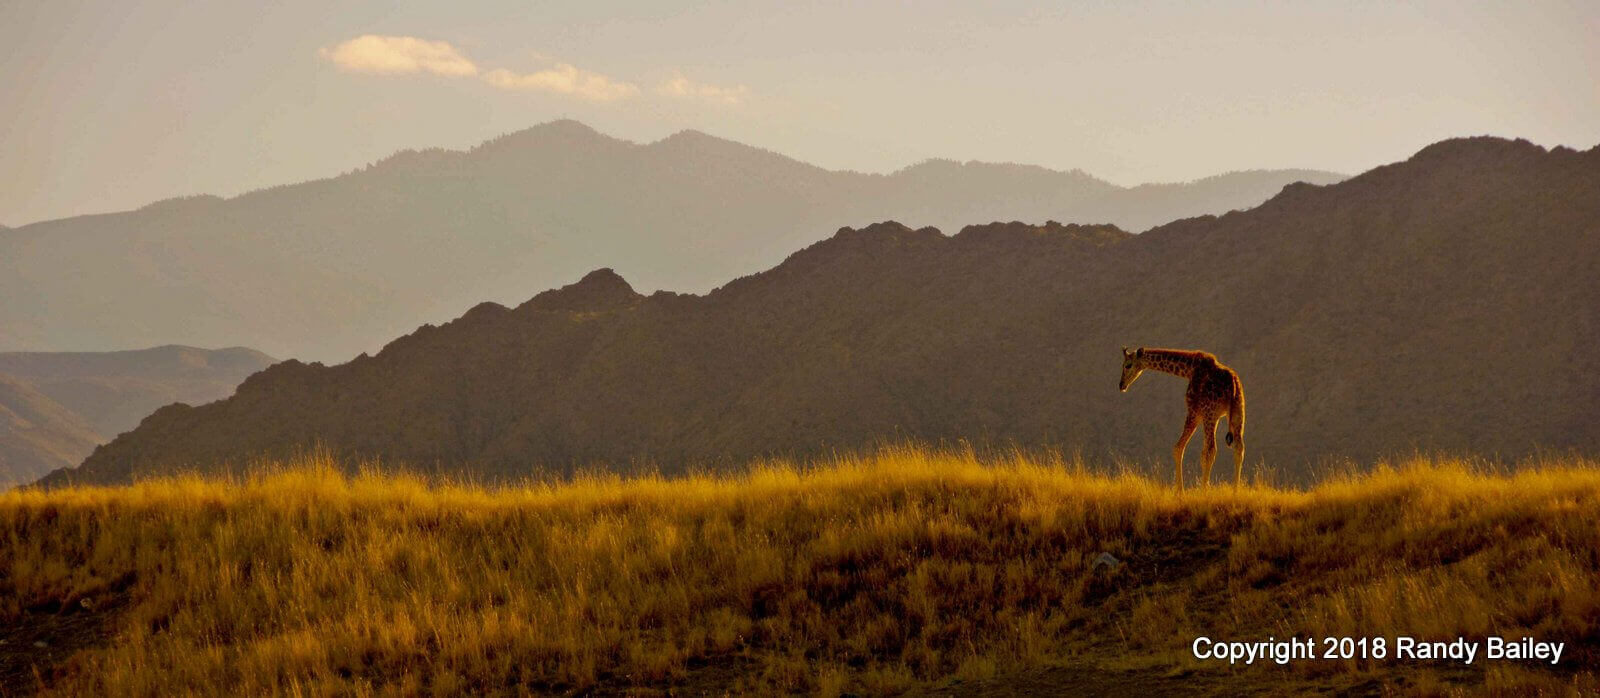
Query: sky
[{"x": 110, "y": 104}]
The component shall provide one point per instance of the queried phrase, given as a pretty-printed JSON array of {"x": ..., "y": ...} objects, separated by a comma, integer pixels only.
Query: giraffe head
[{"x": 1132, "y": 366}]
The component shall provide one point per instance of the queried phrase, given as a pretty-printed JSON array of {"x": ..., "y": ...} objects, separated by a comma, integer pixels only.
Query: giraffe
[{"x": 1214, "y": 391}]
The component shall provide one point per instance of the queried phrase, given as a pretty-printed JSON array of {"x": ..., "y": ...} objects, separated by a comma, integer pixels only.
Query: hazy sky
[{"x": 108, "y": 105}]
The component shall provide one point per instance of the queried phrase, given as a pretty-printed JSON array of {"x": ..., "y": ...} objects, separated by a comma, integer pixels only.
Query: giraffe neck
[{"x": 1173, "y": 361}]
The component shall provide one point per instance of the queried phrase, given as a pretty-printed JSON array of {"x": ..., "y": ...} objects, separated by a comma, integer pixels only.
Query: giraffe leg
[
  {"x": 1189, "y": 425},
  {"x": 1208, "y": 455},
  {"x": 1236, "y": 438},
  {"x": 1238, "y": 462}
]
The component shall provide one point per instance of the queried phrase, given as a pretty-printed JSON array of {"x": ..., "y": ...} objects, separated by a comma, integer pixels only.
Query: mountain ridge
[
  {"x": 1359, "y": 314},
  {"x": 329, "y": 268}
]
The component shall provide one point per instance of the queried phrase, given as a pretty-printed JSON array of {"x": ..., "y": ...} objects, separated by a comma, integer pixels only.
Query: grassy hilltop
[{"x": 906, "y": 571}]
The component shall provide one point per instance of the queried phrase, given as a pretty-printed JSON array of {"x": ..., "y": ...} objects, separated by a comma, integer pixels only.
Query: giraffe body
[{"x": 1214, "y": 392}]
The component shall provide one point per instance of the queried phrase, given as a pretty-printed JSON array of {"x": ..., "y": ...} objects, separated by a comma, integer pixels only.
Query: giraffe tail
[{"x": 1236, "y": 414}]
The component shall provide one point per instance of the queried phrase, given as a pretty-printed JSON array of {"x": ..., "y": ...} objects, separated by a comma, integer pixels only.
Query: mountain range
[
  {"x": 1446, "y": 302},
  {"x": 56, "y": 407},
  {"x": 330, "y": 268}
]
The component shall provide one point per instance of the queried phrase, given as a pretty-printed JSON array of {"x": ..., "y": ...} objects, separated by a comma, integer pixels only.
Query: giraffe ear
[
  {"x": 1139, "y": 353},
  {"x": 1125, "y": 352}
]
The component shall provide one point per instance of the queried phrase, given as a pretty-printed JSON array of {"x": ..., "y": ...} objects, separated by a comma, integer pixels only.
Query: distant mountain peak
[
  {"x": 601, "y": 289},
  {"x": 931, "y": 164},
  {"x": 563, "y": 126},
  {"x": 947, "y": 165},
  {"x": 874, "y": 239},
  {"x": 1453, "y": 158},
  {"x": 884, "y": 232},
  {"x": 1004, "y": 180},
  {"x": 695, "y": 141},
  {"x": 691, "y": 135},
  {"x": 1294, "y": 190},
  {"x": 604, "y": 275},
  {"x": 1477, "y": 147},
  {"x": 691, "y": 139},
  {"x": 560, "y": 131},
  {"x": 880, "y": 228},
  {"x": 1096, "y": 234}
]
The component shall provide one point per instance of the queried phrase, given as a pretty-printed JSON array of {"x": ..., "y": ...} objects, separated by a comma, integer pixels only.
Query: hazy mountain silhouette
[
  {"x": 329, "y": 268},
  {"x": 37, "y": 435},
  {"x": 1436, "y": 303},
  {"x": 56, "y": 407}
]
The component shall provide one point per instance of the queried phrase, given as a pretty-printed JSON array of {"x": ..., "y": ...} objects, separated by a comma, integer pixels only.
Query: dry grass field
[{"x": 907, "y": 571}]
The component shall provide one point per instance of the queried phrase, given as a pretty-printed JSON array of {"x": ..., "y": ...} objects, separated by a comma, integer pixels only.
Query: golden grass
[{"x": 874, "y": 574}]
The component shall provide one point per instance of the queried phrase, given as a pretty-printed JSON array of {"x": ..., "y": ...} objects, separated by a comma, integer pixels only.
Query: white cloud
[
  {"x": 399, "y": 55},
  {"x": 564, "y": 79},
  {"x": 681, "y": 86},
  {"x": 408, "y": 55}
]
